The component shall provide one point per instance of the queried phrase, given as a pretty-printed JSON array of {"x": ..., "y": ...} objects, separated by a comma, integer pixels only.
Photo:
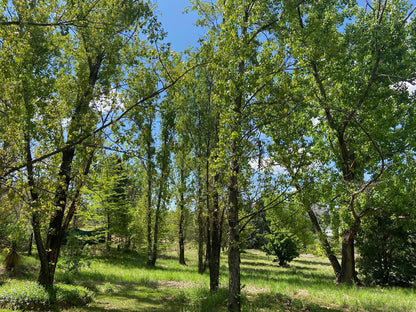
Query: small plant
[
  {"x": 108, "y": 288},
  {"x": 284, "y": 246}
]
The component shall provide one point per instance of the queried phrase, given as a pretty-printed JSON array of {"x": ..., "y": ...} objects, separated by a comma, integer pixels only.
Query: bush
[
  {"x": 284, "y": 246},
  {"x": 31, "y": 296},
  {"x": 387, "y": 250}
]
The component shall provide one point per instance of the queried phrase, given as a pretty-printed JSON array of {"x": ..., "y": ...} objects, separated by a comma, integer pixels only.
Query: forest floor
[{"x": 123, "y": 282}]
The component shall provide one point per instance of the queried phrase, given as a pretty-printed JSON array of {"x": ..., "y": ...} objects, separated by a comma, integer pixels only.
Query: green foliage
[
  {"x": 74, "y": 254},
  {"x": 31, "y": 296},
  {"x": 387, "y": 250},
  {"x": 284, "y": 246}
]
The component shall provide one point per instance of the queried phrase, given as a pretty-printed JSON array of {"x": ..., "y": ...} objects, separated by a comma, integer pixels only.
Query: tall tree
[
  {"x": 68, "y": 57},
  {"x": 244, "y": 65},
  {"x": 351, "y": 58}
]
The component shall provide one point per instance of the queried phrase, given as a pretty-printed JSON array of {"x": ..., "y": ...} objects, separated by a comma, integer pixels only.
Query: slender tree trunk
[
  {"x": 29, "y": 252},
  {"x": 155, "y": 237},
  {"x": 214, "y": 261},
  {"x": 163, "y": 177},
  {"x": 325, "y": 244},
  {"x": 209, "y": 214},
  {"x": 149, "y": 226},
  {"x": 201, "y": 232},
  {"x": 156, "y": 228},
  {"x": 181, "y": 227},
  {"x": 149, "y": 207}
]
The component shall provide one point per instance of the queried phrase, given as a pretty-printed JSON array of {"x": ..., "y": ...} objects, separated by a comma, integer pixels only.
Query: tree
[
  {"x": 351, "y": 62},
  {"x": 108, "y": 196},
  {"x": 67, "y": 58},
  {"x": 243, "y": 65}
]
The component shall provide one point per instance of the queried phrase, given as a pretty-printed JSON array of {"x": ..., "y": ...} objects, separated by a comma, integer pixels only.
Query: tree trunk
[
  {"x": 163, "y": 177},
  {"x": 201, "y": 240},
  {"x": 348, "y": 274},
  {"x": 29, "y": 252},
  {"x": 149, "y": 198},
  {"x": 181, "y": 230},
  {"x": 325, "y": 244},
  {"x": 234, "y": 288},
  {"x": 209, "y": 214},
  {"x": 214, "y": 261},
  {"x": 201, "y": 233}
]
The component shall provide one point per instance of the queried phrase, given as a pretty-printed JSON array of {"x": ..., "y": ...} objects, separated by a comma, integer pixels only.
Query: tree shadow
[{"x": 307, "y": 262}]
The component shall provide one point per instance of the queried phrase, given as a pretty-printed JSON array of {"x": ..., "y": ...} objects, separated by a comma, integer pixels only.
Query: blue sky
[{"x": 181, "y": 31}]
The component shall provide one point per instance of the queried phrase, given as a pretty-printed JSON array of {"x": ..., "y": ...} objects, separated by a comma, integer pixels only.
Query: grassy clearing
[{"x": 123, "y": 282}]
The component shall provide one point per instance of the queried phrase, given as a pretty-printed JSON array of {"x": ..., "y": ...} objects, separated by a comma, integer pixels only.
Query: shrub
[
  {"x": 24, "y": 296},
  {"x": 284, "y": 246},
  {"x": 31, "y": 296},
  {"x": 387, "y": 250}
]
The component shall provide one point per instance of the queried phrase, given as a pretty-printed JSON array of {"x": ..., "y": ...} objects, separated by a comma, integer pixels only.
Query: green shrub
[
  {"x": 31, "y": 296},
  {"x": 387, "y": 248},
  {"x": 72, "y": 296},
  {"x": 284, "y": 246},
  {"x": 24, "y": 296}
]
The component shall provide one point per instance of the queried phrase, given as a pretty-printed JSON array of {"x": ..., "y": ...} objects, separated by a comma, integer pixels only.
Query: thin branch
[{"x": 78, "y": 141}]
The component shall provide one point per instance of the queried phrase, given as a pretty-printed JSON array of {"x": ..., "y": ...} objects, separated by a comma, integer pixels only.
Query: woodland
[{"x": 289, "y": 129}]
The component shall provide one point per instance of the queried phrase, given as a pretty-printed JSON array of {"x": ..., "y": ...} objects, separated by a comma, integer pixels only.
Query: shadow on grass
[
  {"x": 280, "y": 302},
  {"x": 312, "y": 262}
]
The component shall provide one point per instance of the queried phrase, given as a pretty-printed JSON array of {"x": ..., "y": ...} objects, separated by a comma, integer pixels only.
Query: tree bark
[
  {"x": 348, "y": 274},
  {"x": 234, "y": 287}
]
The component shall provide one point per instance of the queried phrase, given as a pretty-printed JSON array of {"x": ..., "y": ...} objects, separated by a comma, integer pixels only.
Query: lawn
[{"x": 123, "y": 282}]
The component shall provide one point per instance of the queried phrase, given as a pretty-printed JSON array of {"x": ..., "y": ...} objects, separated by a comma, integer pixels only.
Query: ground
[{"x": 123, "y": 282}]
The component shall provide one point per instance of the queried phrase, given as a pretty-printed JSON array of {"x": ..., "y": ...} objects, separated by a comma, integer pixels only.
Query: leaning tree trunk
[{"x": 325, "y": 244}]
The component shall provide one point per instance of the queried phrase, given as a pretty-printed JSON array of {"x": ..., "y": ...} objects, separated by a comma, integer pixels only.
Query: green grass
[{"x": 123, "y": 282}]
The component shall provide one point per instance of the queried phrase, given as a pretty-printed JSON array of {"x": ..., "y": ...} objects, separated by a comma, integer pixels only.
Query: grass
[{"x": 123, "y": 282}]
